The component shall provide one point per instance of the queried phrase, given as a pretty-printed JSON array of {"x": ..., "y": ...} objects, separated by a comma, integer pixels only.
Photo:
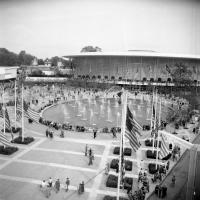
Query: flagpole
[
  {"x": 158, "y": 138},
  {"x": 15, "y": 105},
  {"x": 121, "y": 140},
  {"x": 154, "y": 125},
  {"x": 4, "y": 116},
  {"x": 22, "y": 112},
  {"x": 152, "y": 111}
]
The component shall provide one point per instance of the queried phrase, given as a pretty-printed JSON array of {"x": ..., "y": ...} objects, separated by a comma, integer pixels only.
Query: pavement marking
[
  {"x": 64, "y": 151},
  {"x": 98, "y": 178},
  {"x": 56, "y": 165},
  {"x": 71, "y": 187},
  {"x": 21, "y": 153}
]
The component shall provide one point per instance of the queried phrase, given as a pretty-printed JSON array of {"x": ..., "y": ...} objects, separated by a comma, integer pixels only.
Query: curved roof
[{"x": 134, "y": 53}]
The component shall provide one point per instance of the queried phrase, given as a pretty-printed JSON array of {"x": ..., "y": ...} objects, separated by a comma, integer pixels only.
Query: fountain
[
  {"x": 84, "y": 114},
  {"x": 118, "y": 117},
  {"x": 109, "y": 113},
  {"x": 91, "y": 117},
  {"x": 116, "y": 103},
  {"x": 102, "y": 110}
]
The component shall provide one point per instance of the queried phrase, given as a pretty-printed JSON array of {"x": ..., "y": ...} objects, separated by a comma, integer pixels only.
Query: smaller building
[{"x": 47, "y": 63}]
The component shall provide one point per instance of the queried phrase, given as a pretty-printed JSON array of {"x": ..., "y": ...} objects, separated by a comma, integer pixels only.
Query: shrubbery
[
  {"x": 127, "y": 151},
  {"x": 151, "y": 154},
  {"x": 8, "y": 150},
  {"x": 153, "y": 170},
  {"x": 107, "y": 197},
  {"x": 13, "y": 130},
  {"x": 128, "y": 164},
  {"x": 113, "y": 180},
  {"x": 149, "y": 143},
  {"x": 27, "y": 140}
]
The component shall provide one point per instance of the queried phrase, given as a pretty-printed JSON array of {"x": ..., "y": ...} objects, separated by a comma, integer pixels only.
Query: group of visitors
[{"x": 48, "y": 186}]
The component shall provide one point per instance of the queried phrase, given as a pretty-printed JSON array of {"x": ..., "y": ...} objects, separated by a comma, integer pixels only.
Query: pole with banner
[
  {"x": 22, "y": 112},
  {"x": 15, "y": 105},
  {"x": 158, "y": 138},
  {"x": 123, "y": 127}
]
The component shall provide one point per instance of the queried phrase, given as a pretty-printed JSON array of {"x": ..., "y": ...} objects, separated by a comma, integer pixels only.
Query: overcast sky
[{"x": 47, "y": 28}]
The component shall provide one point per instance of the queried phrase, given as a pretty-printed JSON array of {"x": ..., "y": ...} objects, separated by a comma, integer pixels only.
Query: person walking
[
  {"x": 67, "y": 184},
  {"x": 57, "y": 185},
  {"x": 107, "y": 169},
  {"x": 86, "y": 149},
  {"x": 90, "y": 160},
  {"x": 50, "y": 182},
  {"x": 90, "y": 152},
  {"x": 95, "y": 133},
  {"x": 173, "y": 179}
]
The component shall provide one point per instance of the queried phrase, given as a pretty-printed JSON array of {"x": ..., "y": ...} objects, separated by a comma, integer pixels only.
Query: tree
[
  {"x": 40, "y": 62},
  {"x": 54, "y": 60},
  {"x": 24, "y": 58},
  {"x": 91, "y": 49},
  {"x": 8, "y": 58},
  {"x": 181, "y": 75}
]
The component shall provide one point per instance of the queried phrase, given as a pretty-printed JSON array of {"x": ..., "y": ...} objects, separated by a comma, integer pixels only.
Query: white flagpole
[
  {"x": 121, "y": 140},
  {"x": 152, "y": 111},
  {"x": 158, "y": 138},
  {"x": 22, "y": 112},
  {"x": 4, "y": 121},
  {"x": 154, "y": 125},
  {"x": 15, "y": 105}
]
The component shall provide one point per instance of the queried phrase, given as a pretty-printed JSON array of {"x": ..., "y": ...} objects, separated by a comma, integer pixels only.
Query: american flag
[
  {"x": 164, "y": 148},
  {"x": 4, "y": 140},
  {"x": 132, "y": 129},
  {"x": 7, "y": 120},
  {"x": 28, "y": 112}
]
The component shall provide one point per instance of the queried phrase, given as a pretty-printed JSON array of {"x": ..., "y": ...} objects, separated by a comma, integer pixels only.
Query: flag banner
[
  {"x": 164, "y": 148},
  {"x": 132, "y": 128},
  {"x": 7, "y": 120},
  {"x": 28, "y": 113},
  {"x": 1, "y": 111},
  {"x": 168, "y": 69},
  {"x": 4, "y": 140}
]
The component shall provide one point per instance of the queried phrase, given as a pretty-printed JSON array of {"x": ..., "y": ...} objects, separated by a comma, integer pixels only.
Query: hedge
[
  {"x": 153, "y": 170},
  {"x": 128, "y": 164},
  {"x": 113, "y": 180},
  {"x": 8, "y": 150},
  {"x": 127, "y": 151},
  {"x": 149, "y": 143},
  {"x": 107, "y": 197},
  {"x": 151, "y": 154},
  {"x": 13, "y": 130},
  {"x": 27, "y": 140}
]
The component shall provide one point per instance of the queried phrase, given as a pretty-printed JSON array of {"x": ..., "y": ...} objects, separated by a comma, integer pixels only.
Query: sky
[{"x": 47, "y": 28}]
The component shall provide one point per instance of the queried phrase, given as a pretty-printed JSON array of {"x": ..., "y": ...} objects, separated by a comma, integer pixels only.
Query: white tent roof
[{"x": 134, "y": 53}]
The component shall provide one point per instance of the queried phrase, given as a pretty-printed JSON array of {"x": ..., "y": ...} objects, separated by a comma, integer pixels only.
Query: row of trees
[{"x": 8, "y": 58}]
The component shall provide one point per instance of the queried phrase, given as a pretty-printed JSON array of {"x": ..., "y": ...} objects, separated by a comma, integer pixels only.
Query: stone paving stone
[
  {"x": 71, "y": 146},
  {"x": 40, "y": 172},
  {"x": 60, "y": 158}
]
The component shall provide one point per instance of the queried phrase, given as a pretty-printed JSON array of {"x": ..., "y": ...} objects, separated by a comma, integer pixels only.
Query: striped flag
[
  {"x": 7, "y": 120},
  {"x": 28, "y": 113},
  {"x": 4, "y": 140},
  {"x": 35, "y": 116},
  {"x": 164, "y": 148},
  {"x": 132, "y": 127},
  {"x": 1, "y": 111}
]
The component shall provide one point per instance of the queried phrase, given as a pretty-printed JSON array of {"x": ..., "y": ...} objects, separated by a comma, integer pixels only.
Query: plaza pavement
[{"x": 22, "y": 172}]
